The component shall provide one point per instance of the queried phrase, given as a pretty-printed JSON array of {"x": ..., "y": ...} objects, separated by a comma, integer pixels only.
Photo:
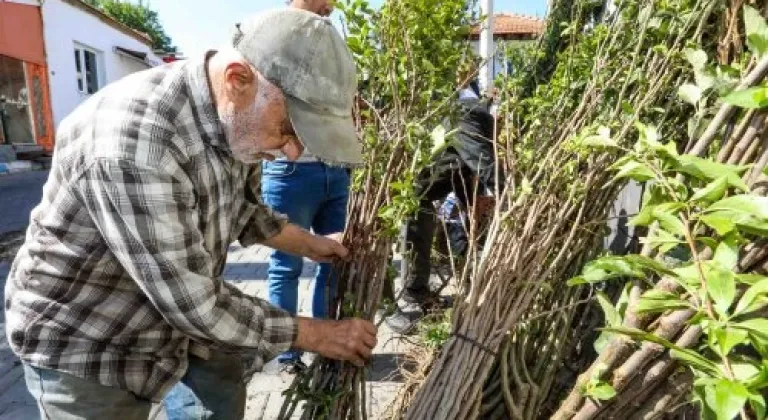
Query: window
[{"x": 87, "y": 66}]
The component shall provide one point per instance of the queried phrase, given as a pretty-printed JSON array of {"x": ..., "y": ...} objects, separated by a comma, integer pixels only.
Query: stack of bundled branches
[
  {"x": 559, "y": 344},
  {"x": 646, "y": 379},
  {"x": 547, "y": 222},
  {"x": 408, "y": 54}
]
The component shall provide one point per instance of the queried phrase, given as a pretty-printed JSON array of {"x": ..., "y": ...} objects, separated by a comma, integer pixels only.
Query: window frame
[{"x": 81, "y": 74}]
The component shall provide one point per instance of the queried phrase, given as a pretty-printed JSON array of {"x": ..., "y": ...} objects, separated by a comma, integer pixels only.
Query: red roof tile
[{"x": 514, "y": 24}]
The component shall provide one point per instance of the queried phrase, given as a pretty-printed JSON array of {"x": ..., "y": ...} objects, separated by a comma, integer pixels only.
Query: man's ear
[{"x": 241, "y": 83}]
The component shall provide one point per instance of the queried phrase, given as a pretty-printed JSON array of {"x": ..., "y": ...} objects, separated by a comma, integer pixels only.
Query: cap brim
[{"x": 330, "y": 138}]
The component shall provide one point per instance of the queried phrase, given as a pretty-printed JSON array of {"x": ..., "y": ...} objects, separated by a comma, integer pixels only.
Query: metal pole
[{"x": 487, "y": 48}]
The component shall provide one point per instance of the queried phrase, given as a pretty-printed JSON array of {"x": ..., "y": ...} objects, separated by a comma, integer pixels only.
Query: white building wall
[
  {"x": 499, "y": 64},
  {"x": 64, "y": 27}
]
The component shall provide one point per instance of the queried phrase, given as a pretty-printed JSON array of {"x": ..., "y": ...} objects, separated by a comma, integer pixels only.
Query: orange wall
[
  {"x": 40, "y": 104},
  {"x": 21, "y": 32}
]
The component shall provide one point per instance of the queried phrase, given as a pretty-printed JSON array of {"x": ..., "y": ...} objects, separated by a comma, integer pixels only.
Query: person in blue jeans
[{"x": 314, "y": 196}]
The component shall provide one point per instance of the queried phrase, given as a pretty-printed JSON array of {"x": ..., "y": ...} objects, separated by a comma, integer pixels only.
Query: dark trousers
[{"x": 448, "y": 174}]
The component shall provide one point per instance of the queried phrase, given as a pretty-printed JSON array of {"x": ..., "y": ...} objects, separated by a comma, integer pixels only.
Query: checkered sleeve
[
  {"x": 149, "y": 220},
  {"x": 265, "y": 222}
]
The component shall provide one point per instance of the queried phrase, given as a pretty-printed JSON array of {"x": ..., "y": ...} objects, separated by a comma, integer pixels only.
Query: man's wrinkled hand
[
  {"x": 350, "y": 340},
  {"x": 326, "y": 248}
]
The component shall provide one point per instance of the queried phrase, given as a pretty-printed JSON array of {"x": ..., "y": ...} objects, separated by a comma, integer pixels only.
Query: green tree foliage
[{"x": 137, "y": 16}]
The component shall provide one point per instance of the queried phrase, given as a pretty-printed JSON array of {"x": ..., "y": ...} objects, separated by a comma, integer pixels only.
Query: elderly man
[
  {"x": 321, "y": 7},
  {"x": 117, "y": 293}
]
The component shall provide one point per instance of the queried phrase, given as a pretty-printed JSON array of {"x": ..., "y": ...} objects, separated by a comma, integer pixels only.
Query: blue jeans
[
  {"x": 211, "y": 389},
  {"x": 313, "y": 196}
]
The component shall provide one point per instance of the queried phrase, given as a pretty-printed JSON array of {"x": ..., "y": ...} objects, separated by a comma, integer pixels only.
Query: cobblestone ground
[{"x": 246, "y": 268}]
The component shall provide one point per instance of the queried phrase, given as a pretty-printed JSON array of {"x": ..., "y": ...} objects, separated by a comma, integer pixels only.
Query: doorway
[{"x": 15, "y": 117}]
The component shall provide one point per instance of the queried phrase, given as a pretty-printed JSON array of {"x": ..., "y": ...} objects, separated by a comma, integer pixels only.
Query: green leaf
[
  {"x": 689, "y": 93},
  {"x": 602, "y": 391},
  {"x": 635, "y": 170},
  {"x": 623, "y": 303},
  {"x": 712, "y": 191},
  {"x": 649, "y": 135},
  {"x": 438, "y": 140},
  {"x": 721, "y": 285},
  {"x": 722, "y": 224},
  {"x": 757, "y": 402},
  {"x": 612, "y": 316},
  {"x": 605, "y": 338},
  {"x": 745, "y": 203},
  {"x": 648, "y": 213},
  {"x": 689, "y": 273},
  {"x": 761, "y": 345},
  {"x": 648, "y": 264},
  {"x": 654, "y": 301},
  {"x": 354, "y": 44},
  {"x": 727, "y": 252},
  {"x": 695, "y": 360},
  {"x": 697, "y": 58},
  {"x": 746, "y": 372},
  {"x": 750, "y": 279},
  {"x": 688, "y": 278},
  {"x": 728, "y": 338},
  {"x": 606, "y": 268},
  {"x": 689, "y": 356},
  {"x": 644, "y": 217},
  {"x": 705, "y": 79},
  {"x": 748, "y": 213},
  {"x": 751, "y": 98},
  {"x": 707, "y": 169},
  {"x": 599, "y": 141},
  {"x": 751, "y": 300},
  {"x": 602, "y": 341},
  {"x": 526, "y": 187},
  {"x": 756, "y": 31},
  {"x": 726, "y": 398},
  {"x": 627, "y": 108},
  {"x": 668, "y": 220},
  {"x": 576, "y": 281},
  {"x": 757, "y": 326},
  {"x": 661, "y": 239}
]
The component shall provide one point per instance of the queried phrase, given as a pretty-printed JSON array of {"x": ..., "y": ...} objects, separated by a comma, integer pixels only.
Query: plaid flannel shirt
[{"x": 120, "y": 273}]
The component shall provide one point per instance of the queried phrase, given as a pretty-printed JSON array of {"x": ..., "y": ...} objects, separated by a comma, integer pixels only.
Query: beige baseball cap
[{"x": 304, "y": 55}]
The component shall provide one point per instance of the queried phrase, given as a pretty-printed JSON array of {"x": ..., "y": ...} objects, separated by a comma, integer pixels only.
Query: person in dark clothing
[{"x": 467, "y": 162}]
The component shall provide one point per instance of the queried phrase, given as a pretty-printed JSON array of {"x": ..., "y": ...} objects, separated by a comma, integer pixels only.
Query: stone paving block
[
  {"x": 17, "y": 395},
  {"x": 380, "y": 396},
  {"x": 274, "y": 404},
  {"x": 19, "y": 412},
  {"x": 255, "y": 405},
  {"x": 11, "y": 380},
  {"x": 8, "y": 364}
]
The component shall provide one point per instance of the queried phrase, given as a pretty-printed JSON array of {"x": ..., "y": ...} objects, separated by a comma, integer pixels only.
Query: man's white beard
[
  {"x": 248, "y": 130},
  {"x": 242, "y": 131}
]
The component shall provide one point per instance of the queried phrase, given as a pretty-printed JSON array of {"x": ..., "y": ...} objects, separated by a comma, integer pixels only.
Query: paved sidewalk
[
  {"x": 246, "y": 268},
  {"x": 19, "y": 194}
]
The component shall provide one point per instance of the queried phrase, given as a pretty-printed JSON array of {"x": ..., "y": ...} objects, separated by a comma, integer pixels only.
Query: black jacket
[{"x": 473, "y": 142}]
